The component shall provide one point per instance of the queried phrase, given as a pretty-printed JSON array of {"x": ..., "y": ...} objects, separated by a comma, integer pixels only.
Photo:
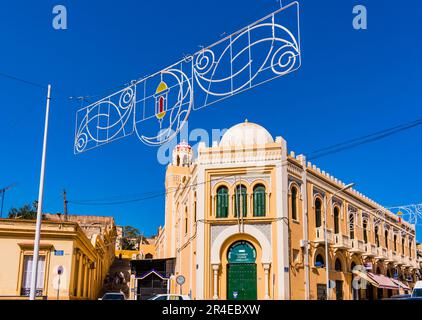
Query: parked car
[
  {"x": 169, "y": 297},
  {"x": 113, "y": 296},
  {"x": 417, "y": 290}
]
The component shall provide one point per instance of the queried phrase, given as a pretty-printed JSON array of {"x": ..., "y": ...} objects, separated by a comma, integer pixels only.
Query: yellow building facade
[
  {"x": 75, "y": 256},
  {"x": 245, "y": 220}
]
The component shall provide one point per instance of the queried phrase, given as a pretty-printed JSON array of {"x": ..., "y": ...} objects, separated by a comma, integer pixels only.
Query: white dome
[{"x": 246, "y": 133}]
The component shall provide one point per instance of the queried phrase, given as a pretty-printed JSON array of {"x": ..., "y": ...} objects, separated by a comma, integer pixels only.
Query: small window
[
  {"x": 321, "y": 292},
  {"x": 27, "y": 273},
  {"x": 338, "y": 266},
  {"x": 352, "y": 226},
  {"x": 395, "y": 242},
  {"x": 259, "y": 201},
  {"x": 377, "y": 238},
  {"x": 240, "y": 201},
  {"x": 336, "y": 220},
  {"x": 294, "y": 203},
  {"x": 402, "y": 244},
  {"x": 318, "y": 207},
  {"x": 222, "y": 202},
  {"x": 365, "y": 231},
  {"x": 410, "y": 248},
  {"x": 319, "y": 261}
]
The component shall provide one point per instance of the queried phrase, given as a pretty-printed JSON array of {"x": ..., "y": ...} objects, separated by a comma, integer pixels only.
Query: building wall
[
  {"x": 282, "y": 272},
  {"x": 84, "y": 261}
]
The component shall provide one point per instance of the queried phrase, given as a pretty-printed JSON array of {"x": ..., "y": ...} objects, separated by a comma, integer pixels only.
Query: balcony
[
  {"x": 381, "y": 254},
  {"x": 356, "y": 246},
  {"x": 391, "y": 256},
  {"x": 400, "y": 259},
  {"x": 341, "y": 241},
  {"x": 370, "y": 250},
  {"x": 319, "y": 235}
]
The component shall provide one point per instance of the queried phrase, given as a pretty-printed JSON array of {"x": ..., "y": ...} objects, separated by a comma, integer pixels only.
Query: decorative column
[
  {"x": 85, "y": 292},
  {"x": 267, "y": 203},
  {"x": 79, "y": 283},
  {"x": 266, "y": 280},
  {"x": 215, "y": 268}
]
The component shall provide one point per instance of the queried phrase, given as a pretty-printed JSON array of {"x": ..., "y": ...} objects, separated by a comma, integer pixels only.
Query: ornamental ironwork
[{"x": 156, "y": 107}]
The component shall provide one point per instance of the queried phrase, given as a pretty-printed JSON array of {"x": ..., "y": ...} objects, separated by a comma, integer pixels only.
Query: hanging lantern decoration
[
  {"x": 161, "y": 97},
  {"x": 399, "y": 214}
]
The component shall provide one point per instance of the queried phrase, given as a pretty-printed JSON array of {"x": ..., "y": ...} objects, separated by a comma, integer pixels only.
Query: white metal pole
[{"x": 39, "y": 207}]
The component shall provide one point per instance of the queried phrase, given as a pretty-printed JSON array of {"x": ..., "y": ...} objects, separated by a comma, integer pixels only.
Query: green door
[{"x": 241, "y": 282}]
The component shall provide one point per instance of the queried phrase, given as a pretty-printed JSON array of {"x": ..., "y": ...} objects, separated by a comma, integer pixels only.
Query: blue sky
[{"x": 351, "y": 83}]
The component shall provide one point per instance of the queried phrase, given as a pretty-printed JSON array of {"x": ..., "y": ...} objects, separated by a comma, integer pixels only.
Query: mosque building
[{"x": 245, "y": 220}]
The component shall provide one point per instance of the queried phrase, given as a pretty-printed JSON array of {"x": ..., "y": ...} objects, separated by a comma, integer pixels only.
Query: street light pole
[
  {"x": 327, "y": 271},
  {"x": 39, "y": 207}
]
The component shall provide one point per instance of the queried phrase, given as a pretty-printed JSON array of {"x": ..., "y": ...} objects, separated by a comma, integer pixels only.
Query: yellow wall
[{"x": 16, "y": 241}]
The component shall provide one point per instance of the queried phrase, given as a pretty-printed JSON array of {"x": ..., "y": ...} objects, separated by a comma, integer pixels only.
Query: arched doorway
[{"x": 241, "y": 272}]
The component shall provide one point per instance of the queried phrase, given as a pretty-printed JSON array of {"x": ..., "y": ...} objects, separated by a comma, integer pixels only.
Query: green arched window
[
  {"x": 259, "y": 207},
  {"x": 222, "y": 202},
  {"x": 240, "y": 200}
]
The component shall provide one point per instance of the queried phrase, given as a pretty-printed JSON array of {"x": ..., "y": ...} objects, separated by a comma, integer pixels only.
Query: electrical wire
[{"x": 349, "y": 144}]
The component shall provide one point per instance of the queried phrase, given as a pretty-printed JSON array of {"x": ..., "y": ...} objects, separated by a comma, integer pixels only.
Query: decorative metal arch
[{"x": 156, "y": 107}]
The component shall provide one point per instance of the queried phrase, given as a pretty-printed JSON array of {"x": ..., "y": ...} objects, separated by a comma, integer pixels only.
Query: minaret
[
  {"x": 182, "y": 155},
  {"x": 176, "y": 171}
]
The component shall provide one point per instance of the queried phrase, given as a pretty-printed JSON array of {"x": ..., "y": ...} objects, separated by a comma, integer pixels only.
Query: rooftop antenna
[{"x": 3, "y": 191}]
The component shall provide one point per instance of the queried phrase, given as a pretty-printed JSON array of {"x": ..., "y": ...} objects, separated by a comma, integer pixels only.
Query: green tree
[
  {"x": 26, "y": 212},
  {"x": 130, "y": 237},
  {"x": 130, "y": 232}
]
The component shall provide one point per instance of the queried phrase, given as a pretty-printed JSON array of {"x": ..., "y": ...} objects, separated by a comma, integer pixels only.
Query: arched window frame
[
  {"x": 222, "y": 201},
  {"x": 241, "y": 190},
  {"x": 259, "y": 200},
  {"x": 318, "y": 211},
  {"x": 395, "y": 242},
  {"x": 319, "y": 257},
  {"x": 338, "y": 265},
  {"x": 351, "y": 221},
  {"x": 377, "y": 236},
  {"x": 365, "y": 223},
  {"x": 295, "y": 197},
  {"x": 336, "y": 218}
]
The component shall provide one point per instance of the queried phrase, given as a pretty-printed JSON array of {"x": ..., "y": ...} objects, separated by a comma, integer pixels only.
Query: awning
[
  {"x": 401, "y": 284},
  {"x": 378, "y": 280}
]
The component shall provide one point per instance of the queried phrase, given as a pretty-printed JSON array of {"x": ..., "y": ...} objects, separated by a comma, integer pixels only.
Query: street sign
[
  {"x": 180, "y": 280},
  {"x": 58, "y": 252}
]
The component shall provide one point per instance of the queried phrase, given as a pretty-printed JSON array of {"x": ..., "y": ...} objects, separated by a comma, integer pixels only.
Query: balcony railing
[
  {"x": 341, "y": 241},
  {"x": 319, "y": 235},
  {"x": 26, "y": 291},
  {"x": 391, "y": 256},
  {"x": 356, "y": 246},
  {"x": 381, "y": 253},
  {"x": 370, "y": 250}
]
